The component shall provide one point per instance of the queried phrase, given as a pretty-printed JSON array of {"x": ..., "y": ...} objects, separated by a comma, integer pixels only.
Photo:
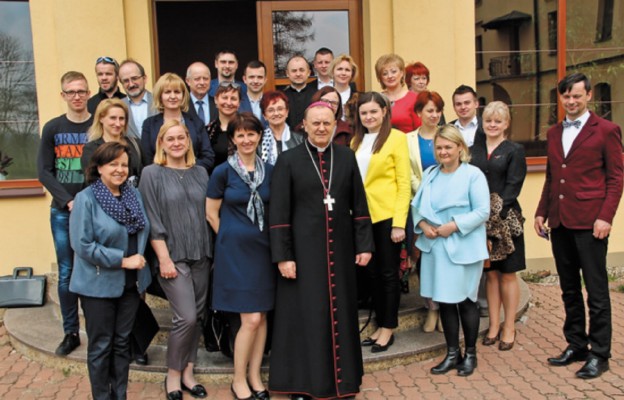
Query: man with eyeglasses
[
  {"x": 139, "y": 100},
  {"x": 201, "y": 104},
  {"x": 60, "y": 171},
  {"x": 226, "y": 64},
  {"x": 107, "y": 73}
]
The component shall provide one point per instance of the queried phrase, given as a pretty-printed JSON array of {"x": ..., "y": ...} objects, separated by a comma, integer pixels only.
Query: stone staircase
[{"x": 36, "y": 332}]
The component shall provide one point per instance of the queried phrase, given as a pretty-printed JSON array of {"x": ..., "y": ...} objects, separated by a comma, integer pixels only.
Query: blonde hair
[
  {"x": 386, "y": 60},
  {"x": 170, "y": 80},
  {"x": 341, "y": 58},
  {"x": 96, "y": 130},
  {"x": 453, "y": 135},
  {"x": 160, "y": 157},
  {"x": 497, "y": 108}
]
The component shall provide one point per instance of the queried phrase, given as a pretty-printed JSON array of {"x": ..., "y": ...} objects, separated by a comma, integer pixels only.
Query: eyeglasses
[
  {"x": 275, "y": 110},
  {"x": 73, "y": 93},
  {"x": 133, "y": 79},
  {"x": 226, "y": 84},
  {"x": 333, "y": 103},
  {"x": 107, "y": 60}
]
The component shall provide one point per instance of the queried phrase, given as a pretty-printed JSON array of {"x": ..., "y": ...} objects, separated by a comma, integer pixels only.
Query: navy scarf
[{"x": 126, "y": 210}]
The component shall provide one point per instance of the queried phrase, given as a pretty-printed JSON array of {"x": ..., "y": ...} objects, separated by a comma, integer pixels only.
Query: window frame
[{"x": 264, "y": 14}]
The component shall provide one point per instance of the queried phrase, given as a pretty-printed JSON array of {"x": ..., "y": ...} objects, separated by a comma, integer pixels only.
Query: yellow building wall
[
  {"x": 439, "y": 34},
  {"x": 68, "y": 35}
]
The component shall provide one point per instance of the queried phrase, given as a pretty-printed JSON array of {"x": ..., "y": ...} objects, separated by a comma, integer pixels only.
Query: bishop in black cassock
[{"x": 320, "y": 230}]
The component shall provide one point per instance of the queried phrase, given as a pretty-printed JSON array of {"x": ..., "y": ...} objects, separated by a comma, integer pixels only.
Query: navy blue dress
[{"x": 244, "y": 276}]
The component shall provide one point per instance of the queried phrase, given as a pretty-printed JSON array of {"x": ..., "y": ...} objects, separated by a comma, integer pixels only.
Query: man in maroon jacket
[{"x": 581, "y": 194}]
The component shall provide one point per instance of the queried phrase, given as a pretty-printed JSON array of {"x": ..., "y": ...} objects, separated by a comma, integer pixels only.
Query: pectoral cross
[{"x": 329, "y": 201}]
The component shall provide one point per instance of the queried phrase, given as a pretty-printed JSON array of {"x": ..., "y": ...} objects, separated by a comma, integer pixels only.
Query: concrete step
[
  {"x": 411, "y": 310},
  {"x": 36, "y": 332}
]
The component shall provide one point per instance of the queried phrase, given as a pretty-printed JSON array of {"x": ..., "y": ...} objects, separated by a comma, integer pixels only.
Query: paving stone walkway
[{"x": 518, "y": 374}]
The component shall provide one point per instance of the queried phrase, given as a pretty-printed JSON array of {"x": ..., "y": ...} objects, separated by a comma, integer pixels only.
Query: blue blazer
[
  {"x": 467, "y": 203},
  {"x": 100, "y": 243}
]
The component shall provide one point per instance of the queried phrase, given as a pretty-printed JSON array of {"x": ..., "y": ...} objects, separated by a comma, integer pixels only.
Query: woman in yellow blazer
[{"x": 383, "y": 159}]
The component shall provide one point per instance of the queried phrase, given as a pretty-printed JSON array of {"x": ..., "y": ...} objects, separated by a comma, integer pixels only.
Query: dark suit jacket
[
  {"x": 505, "y": 170},
  {"x": 586, "y": 185},
  {"x": 211, "y": 107},
  {"x": 201, "y": 145},
  {"x": 479, "y": 134}
]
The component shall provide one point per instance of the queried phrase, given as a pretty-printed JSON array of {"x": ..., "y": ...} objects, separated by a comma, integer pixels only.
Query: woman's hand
[
  {"x": 136, "y": 261},
  {"x": 288, "y": 269},
  {"x": 397, "y": 235},
  {"x": 428, "y": 230},
  {"x": 167, "y": 269},
  {"x": 362, "y": 259},
  {"x": 447, "y": 229}
]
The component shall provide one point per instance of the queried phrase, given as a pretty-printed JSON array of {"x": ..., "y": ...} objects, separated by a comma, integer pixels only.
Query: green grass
[{"x": 534, "y": 277}]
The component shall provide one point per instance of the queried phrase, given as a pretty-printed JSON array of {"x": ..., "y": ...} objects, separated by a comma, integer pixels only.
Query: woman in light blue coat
[
  {"x": 449, "y": 212},
  {"x": 108, "y": 231}
]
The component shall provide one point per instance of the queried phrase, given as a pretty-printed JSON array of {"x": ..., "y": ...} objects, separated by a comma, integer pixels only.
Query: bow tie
[{"x": 568, "y": 124}]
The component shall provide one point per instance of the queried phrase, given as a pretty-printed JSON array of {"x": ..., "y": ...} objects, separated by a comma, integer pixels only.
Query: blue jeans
[{"x": 59, "y": 221}]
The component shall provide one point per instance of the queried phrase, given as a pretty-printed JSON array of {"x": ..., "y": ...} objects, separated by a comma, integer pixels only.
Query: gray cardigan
[{"x": 100, "y": 243}]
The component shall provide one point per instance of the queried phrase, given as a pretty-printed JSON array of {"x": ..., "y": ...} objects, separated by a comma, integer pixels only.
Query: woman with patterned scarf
[
  {"x": 108, "y": 232},
  {"x": 244, "y": 276},
  {"x": 277, "y": 136}
]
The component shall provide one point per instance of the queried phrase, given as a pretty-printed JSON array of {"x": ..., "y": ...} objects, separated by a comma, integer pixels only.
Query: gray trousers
[{"x": 187, "y": 299}]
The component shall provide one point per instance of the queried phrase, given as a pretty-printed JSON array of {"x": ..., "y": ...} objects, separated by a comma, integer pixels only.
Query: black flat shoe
[
  {"x": 593, "y": 368},
  {"x": 175, "y": 395},
  {"x": 141, "y": 359},
  {"x": 377, "y": 348},
  {"x": 198, "y": 391},
  {"x": 241, "y": 398},
  {"x": 368, "y": 342},
  {"x": 452, "y": 359},
  {"x": 568, "y": 357}
]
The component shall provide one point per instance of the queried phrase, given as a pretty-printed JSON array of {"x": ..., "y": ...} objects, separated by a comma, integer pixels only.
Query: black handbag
[
  {"x": 144, "y": 330},
  {"x": 19, "y": 290}
]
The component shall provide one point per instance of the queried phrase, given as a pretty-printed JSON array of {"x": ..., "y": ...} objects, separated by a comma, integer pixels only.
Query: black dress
[
  {"x": 505, "y": 170},
  {"x": 316, "y": 344}
]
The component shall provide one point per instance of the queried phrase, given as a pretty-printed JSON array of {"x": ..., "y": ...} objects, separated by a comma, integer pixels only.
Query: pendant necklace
[
  {"x": 181, "y": 176},
  {"x": 327, "y": 200}
]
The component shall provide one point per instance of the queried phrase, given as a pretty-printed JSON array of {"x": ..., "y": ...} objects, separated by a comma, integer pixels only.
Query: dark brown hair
[
  {"x": 384, "y": 130},
  {"x": 104, "y": 154}
]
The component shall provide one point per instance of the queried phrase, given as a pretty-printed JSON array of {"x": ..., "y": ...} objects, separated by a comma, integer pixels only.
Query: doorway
[{"x": 188, "y": 31}]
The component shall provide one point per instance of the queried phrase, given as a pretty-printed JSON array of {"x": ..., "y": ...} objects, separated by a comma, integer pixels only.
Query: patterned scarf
[
  {"x": 127, "y": 210},
  {"x": 269, "y": 151},
  {"x": 255, "y": 205}
]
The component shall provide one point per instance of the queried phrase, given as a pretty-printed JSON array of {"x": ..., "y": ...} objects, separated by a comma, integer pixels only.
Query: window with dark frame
[
  {"x": 552, "y": 33},
  {"x": 19, "y": 120},
  {"x": 604, "y": 24},
  {"x": 479, "y": 49}
]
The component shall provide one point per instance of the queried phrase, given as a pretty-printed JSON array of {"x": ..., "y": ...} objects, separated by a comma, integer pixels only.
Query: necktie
[
  {"x": 568, "y": 124},
  {"x": 200, "y": 111}
]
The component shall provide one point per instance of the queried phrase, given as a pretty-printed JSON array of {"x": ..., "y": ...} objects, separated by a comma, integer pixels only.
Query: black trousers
[
  {"x": 109, "y": 322},
  {"x": 576, "y": 251},
  {"x": 384, "y": 274}
]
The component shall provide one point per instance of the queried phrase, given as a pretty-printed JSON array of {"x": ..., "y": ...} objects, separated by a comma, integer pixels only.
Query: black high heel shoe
[
  {"x": 259, "y": 394},
  {"x": 377, "y": 348},
  {"x": 240, "y": 398},
  {"x": 175, "y": 395}
]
